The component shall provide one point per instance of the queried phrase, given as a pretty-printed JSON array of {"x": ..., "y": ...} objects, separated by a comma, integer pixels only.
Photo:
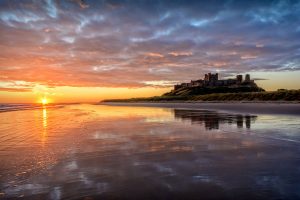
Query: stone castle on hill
[{"x": 212, "y": 81}]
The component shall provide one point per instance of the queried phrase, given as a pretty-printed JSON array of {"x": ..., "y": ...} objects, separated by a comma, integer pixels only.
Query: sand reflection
[
  {"x": 45, "y": 117},
  {"x": 45, "y": 125}
]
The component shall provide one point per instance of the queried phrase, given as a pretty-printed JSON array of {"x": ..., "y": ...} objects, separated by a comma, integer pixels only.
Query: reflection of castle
[
  {"x": 212, "y": 80},
  {"x": 212, "y": 119}
]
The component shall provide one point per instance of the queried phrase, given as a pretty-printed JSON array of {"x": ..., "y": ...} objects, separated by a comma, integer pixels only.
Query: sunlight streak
[{"x": 45, "y": 124}]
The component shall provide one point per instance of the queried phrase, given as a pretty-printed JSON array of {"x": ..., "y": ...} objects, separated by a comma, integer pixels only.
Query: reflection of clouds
[
  {"x": 182, "y": 148},
  {"x": 164, "y": 169},
  {"x": 87, "y": 182},
  {"x": 82, "y": 175},
  {"x": 202, "y": 178},
  {"x": 27, "y": 188},
  {"x": 55, "y": 193},
  {"x": 103, "y": 135},
  {"x": 71, "y": 166},
  {"x": 126, "y": 156},
  {"x": 266, "y": 181},
  {"x": 102, "y": 187}
]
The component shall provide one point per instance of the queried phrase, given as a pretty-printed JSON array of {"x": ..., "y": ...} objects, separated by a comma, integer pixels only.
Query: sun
[{"x": 44, "y": 101}]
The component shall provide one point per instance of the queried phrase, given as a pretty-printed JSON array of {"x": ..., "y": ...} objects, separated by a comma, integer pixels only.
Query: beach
[
  {"x": 288, "y": 108},
  {"x": 149, "y": 151}
]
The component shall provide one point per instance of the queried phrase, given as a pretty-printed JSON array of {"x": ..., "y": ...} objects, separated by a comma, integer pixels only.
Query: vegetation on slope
[
  {"x": 280, "y": 95},
  {"x": 211, "y": 90}
]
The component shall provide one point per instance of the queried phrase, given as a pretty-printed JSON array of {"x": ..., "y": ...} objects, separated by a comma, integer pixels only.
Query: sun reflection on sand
[
  {"x": 45, "y": 117},
  {"x": 45, "y": 124}
]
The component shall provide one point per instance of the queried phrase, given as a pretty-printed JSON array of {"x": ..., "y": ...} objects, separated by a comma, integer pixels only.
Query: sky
[{"x": 86, "y": 51}]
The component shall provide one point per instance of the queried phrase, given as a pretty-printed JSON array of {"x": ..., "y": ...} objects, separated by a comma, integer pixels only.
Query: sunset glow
[
  {"x": 116, "y": 49},
  {"x": 149, "y": 99},
  {"x": 44, "y": 101}
]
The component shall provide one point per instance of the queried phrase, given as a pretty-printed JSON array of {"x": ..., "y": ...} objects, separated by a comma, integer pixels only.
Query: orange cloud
[
  {"x": 151, "y": 54},
  {"x": 15, "y": 89},
  {"x": 180, "y": 53}
]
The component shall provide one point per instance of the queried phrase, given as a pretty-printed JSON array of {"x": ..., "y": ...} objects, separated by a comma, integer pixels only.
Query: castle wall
[{"x": 212, "y": 80}]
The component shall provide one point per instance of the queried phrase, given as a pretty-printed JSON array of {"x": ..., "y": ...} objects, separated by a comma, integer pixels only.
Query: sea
[{"x": 26, "y": 106}]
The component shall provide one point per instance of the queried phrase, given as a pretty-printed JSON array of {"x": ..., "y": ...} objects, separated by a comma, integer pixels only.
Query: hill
[
  {"x": 184, "y": 91},
  {"x": 280, "y": 95}
]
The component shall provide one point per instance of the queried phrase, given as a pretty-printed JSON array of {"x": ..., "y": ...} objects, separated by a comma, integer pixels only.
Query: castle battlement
[{"x": 212, "y": 80}]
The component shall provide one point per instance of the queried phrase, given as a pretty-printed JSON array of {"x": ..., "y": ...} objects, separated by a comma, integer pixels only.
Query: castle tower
[
  {"x": 239, "y": 78},
  {"x": 213, "y": 77},
  {"x": 247, "y": 78},
  {"x": 206, "y": 77}
]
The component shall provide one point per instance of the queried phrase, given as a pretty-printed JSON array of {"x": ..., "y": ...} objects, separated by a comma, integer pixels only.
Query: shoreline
[{"x": 257, "y": 107}]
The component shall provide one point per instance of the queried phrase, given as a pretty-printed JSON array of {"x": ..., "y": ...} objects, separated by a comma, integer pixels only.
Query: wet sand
[
  {"x": 285, "y": 108},
  {"x": 131, "y": 152}
]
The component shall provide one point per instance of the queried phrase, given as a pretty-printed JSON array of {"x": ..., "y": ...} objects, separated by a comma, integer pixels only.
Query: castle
[{"x": 212, "y": 80}]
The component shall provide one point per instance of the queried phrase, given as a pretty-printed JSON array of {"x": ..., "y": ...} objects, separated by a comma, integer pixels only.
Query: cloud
[
  {"x": 180, "y": 53},
  {"x": 150, "y": 54},
  {"x": 134, "y": 43},
  {"x": 14, "y": 89},
  {"x": 82, "y": 4},
  {"x": 260, "y": 79}
]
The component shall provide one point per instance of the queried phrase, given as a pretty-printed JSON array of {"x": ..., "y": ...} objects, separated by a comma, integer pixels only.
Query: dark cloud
[
  {"x": 260, "y": 79},
  {"x": 129, "y": 43}
]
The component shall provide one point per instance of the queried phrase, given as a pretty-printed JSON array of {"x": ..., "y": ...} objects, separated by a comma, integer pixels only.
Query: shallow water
[{"x": 112, "y": 152}]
